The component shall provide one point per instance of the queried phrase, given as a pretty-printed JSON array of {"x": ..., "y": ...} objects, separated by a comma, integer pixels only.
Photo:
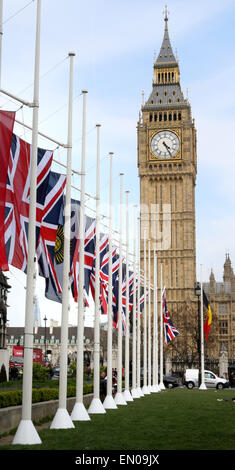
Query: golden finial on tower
[{"x": 166, "y": 13}]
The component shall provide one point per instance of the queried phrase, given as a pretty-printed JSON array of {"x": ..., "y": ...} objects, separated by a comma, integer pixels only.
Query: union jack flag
[
  {"x": 54, "y": 283},
  {"x": 116, "y": 296},
  {"x": 49, "y": 226},
  {"x": 103, "y": 260},
  {"x": 89, "y": 255},
  {"x": 18, "y": 199},
  {"x": 169, "y": 330},
  {"x": 7, "y": 119},
  {"x": 104, "y": 278}
]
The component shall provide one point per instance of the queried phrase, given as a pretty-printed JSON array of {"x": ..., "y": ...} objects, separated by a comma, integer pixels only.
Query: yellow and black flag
[{"x": 208, "y": 321}]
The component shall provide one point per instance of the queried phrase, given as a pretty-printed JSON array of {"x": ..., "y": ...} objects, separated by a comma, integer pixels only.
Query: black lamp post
[
  {"x": 197, "y": 290},
  {"x": 45, "y": 354}
]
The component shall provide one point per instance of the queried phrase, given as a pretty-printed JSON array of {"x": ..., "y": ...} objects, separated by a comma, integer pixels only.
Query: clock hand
[{"x": 168, "y": 148}]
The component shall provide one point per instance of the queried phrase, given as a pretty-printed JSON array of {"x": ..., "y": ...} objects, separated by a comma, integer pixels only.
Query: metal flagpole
[
  {"x": 145, "y": 388},
  {"x": 134, "y": 391},
  {"x": 139, "y": 390},
  {"x": 203, "y": 385},
  {"x": 79, "y": 412},
  {"x": 96, "y": 405},
  {"x": 119, "y": 398},
  {"x": 126, "y": 393},
  {"x": 26, "y": 432},
  {"x": 149, "y": 324},
  {"x": 62, "y": 420},
  {"x": 109, "y": 402},
  {"x": 161, "y": 385},
  {"x": 156, "y": 387}
]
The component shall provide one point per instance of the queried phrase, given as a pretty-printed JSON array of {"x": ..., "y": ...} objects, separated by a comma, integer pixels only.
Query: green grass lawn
[{"x": 177, "y": 419}]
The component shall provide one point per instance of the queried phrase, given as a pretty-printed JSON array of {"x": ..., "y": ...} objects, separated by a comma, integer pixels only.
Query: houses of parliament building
[{"x": 167, "y": 168}]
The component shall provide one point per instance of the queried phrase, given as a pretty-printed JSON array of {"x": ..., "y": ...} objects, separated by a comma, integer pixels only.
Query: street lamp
[
  {"x": 197, "y": 290},
  {"x": 45, "y": 354}
]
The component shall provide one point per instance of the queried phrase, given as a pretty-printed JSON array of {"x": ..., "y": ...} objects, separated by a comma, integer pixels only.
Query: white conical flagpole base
[
  {"x": 109, "y": 403},
  {"x": 119, "y": 399},
  {"x": 145, "y": 390},
  {"x": 140, "y": 392},
  {"x": 162, "y": 386},
  {"x": 202, "y": 387},
  {"x": 135, "y": 393},
  {"x": 26, "y": 434},
  {"x": 62, "y": 420},
  {"x": 156, "y": 388},
  {"x": 79, "y": 413},
  {"x": 96, "y": 407},
  {"x": 127, "y": 396}
]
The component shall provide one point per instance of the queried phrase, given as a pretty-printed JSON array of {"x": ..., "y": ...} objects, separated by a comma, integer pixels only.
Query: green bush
[
  {"x": 14, "y": 397},
  {"x": 40, "y": 373},
  {"x": 11, "y": 398}
]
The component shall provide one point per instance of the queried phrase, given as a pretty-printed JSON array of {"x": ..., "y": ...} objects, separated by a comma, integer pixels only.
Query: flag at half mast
[
  {"x": 170, "y": 331},
  {"x": 207, "y": 324}
]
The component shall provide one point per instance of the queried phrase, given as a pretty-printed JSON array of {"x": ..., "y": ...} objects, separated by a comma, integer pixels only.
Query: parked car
[
  {"x": 170, "y": 381},
  {"x": 56, "y": 372},
  {"x": 211, "y": 380}
]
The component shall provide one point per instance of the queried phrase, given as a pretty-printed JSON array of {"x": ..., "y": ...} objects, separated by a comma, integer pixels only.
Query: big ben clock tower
[{"x": 167, "y": 163}]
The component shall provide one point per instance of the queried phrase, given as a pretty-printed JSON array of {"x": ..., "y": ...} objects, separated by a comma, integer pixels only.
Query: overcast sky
[{"x": 114, "y": 44}]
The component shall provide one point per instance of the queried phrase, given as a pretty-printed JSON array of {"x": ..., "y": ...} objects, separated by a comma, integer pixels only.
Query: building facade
[
  {"x": 222, "y": 300},
  {"x": 49, "y": 340},
  {"x": 167, "y": 164}
]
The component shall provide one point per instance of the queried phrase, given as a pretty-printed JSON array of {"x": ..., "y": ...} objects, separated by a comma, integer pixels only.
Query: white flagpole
[
  {"x": 145, "y": 388},
  {"x": 79, "y": 412},
  {"x": 96, "y": 405},
  {"x": 119, "y": 398},
  {"x": 149, "y": 324},
  {"x": 203, "y": 385},
  {"x": 62, "y": 420},
  {"x": 155, "y": 329},
  {"x": 139, "y": 390},
  {"x": 134, "y": 391},
  {"x": 126, "y": 393},
  {"x": 26, "y": 432},
  {"x": 109, "y": 402},
  {"x": 161, "y": 385}
]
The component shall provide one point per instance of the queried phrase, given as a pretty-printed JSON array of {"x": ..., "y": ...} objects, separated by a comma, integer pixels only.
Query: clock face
[{"x": 165, "y": 144}]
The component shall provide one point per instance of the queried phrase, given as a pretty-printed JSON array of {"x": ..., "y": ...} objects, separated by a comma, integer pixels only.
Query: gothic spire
[{"x": 166, "y": 55}]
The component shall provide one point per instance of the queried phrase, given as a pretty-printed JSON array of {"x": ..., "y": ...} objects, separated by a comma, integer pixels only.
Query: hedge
[{"x": 14, "y": 397}]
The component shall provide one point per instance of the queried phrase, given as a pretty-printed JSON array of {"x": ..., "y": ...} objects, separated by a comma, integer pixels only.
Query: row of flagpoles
[
  {"x": 26, "y": 432},
  {"x": 152, "y": 363}
]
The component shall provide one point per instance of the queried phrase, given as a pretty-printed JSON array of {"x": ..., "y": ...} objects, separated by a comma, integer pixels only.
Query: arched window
[
  {"x": 179, "y": 116},
  {"x": 155, "y": 117},
  {"x": 173, "y": 76},
  {"x": 170, "y": 117},
  {"x": 150, "y": 117},
  {"x": 160, "y": 116},
  {"x": 174, "y": 117},
  {"x": 165, "y": 117}
]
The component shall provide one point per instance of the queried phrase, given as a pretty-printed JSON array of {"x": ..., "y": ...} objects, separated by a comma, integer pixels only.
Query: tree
[{"x": 3, "y": 374}]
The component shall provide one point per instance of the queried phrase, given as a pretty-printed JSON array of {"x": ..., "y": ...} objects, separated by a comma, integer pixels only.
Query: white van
[{"x": 211, "y": 380}]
